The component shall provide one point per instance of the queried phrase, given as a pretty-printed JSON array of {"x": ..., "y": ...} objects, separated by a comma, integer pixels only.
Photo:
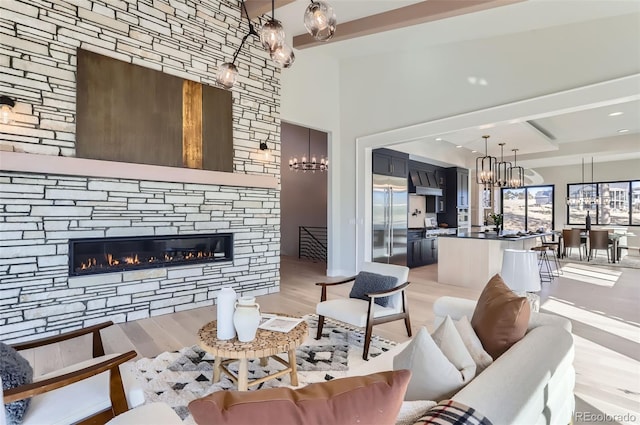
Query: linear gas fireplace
[{"x": 105, "y": 255}]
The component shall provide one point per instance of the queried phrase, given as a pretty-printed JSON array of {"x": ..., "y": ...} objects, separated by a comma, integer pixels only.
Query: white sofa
[{"x": 532, "y": 383}]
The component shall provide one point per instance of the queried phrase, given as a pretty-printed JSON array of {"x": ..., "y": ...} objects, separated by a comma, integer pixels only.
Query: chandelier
[
  {"x": 486, "y": 168},
  {"x": 587, "y": 195},
  {"x": 319, "y": 19},
  {"x": 502, "y": 169},
  {"x": 308, "y": 162},
  {"x": 516, "y": 173}
]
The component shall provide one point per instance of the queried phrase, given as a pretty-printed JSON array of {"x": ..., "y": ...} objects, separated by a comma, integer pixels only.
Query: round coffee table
[{"x": 266, "y": 344}]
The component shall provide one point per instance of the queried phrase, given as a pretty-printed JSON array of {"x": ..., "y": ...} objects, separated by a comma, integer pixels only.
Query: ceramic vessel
[
  {"x": 225, "y": 308},
  {"x": 246, "y": 318}
]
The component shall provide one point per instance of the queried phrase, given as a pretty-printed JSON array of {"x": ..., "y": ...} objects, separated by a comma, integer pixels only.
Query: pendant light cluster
[
  {"x": 493, "y": 173},
  {"x": 309, "y": 162},
  {"x": 584, "y": 197},
  {"x": 319, "y": 19}
]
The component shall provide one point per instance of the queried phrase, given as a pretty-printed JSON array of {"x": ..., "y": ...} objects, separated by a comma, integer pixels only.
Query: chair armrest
[
  {"x": 388, "y": 292},
  {"x": 46, "y": 385},
  {"x": 349, "y": 279},
  {"x": 323, "y": 295},
  {"x": 98, "y": 350}
]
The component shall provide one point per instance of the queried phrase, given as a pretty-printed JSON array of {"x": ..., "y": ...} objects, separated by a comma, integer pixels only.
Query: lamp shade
[
  {"x": 272, "y": 35},
  {"x": 283, "y": 56},
  {"x": 227, "y": 75},
  {"x": 520, "y": 270}
]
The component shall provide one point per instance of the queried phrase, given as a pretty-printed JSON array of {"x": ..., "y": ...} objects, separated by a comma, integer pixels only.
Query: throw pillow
[
  {"x": 481, "y": 358},
  {"x": 434, "y": 376},
  {"x": 367, "y": 282},
  {"x": 448, "y": 339},
  {"x": 500, "y": 318},
  {"x": 370, "y": 399},
  {"x": 15, "y": 370}
]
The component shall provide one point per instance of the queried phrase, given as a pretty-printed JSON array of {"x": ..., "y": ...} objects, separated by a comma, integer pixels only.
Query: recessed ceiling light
[
  {"x": 615, "y": 114},
  {"x": 474, "y": 151},
  {"x": 438, "y": 139},
  {"x": 623, "y": 130},
  {"x": 458, "y": 146}
]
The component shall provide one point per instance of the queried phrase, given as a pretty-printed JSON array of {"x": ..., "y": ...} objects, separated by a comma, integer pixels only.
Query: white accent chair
[
  {"x": 367, "y": 314},
  {"x": 91, "y": 391}
]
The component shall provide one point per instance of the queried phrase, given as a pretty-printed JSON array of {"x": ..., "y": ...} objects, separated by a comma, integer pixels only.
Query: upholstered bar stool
[{"x": 520, "y": 273}]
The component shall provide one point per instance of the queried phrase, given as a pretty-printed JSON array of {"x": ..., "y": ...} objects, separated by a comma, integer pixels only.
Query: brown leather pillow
[
  {"x": 501, "y": 317},
  {"x": 370, "y": 399}
]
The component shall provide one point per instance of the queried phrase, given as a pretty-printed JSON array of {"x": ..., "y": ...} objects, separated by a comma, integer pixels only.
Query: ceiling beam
[
  {"x": 417, "y": 13},
  {"x": 257, "y": 8}
]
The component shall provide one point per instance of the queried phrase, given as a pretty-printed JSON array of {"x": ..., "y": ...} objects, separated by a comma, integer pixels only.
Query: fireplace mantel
[{"x": 70, "y": 166}]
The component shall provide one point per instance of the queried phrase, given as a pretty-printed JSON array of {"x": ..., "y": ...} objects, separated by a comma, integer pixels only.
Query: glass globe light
[
  {"x": 283, "y": 56},
  {"x": 320, "y": 20},
  {"x": 227, "y": 75},
  {"x": 272, "y": 35}
]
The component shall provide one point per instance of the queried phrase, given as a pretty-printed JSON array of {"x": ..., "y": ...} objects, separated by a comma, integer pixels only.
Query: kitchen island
[{"x": 470, "y": 259}]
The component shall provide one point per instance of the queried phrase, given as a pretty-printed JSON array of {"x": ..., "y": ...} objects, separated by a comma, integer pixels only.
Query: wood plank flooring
[{"x": 601, "y": 301}]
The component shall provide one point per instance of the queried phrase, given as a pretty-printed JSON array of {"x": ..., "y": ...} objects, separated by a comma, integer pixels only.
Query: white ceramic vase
[
  {"x": 246, "y": 318},
  {"x": 225, "y": 308}
]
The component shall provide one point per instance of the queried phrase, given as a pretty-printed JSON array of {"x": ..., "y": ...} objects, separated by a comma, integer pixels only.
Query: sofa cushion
[
  {"x": 500, "y": 318},
  {"x": 367, "y": 282},
  {"x": 370, "y": 399},
  {"x": 434, "y": 376},
  {"x": 453, "y": 412},
  {"x": 481, "y": 358},
  {"x": 15, "y": 370}
]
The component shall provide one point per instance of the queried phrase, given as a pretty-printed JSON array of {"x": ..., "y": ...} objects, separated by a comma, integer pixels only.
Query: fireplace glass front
[{"x": 105, "y": 255}]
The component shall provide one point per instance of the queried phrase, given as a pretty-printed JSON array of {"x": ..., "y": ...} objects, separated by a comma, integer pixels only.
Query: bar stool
[
  {"x": 546, "y": 274},
  {"x": 520, "y": 273},
  {"x": 553, "y": 247}
]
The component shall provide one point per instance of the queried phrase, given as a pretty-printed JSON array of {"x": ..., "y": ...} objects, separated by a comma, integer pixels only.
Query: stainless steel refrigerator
[{"x": 390, "y": 208}]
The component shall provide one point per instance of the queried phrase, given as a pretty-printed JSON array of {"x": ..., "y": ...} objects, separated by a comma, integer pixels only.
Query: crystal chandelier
[
  {"x": 516, "y": 173},
  {"x": 486, "y": 168},
  {"x": 309, "y": 162}
]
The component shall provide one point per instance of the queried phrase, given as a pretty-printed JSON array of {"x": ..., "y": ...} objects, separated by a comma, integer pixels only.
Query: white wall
[
  {"x": 387, "y": 97},
  {"x": 310, "y": 93}
]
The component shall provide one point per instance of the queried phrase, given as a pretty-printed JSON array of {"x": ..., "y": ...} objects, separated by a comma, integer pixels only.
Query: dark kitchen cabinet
[
  {"x": 456, "y": 193},
  {"x": 421, "y": 250},
  {"x": 390, "y": 163}
]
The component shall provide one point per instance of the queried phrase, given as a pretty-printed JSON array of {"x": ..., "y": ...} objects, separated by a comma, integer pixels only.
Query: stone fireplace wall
[{"x": 39, "y": 212}]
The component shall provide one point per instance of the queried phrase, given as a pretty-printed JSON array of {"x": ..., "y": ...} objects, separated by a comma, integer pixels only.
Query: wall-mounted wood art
[{"x": 129, "y": 113}]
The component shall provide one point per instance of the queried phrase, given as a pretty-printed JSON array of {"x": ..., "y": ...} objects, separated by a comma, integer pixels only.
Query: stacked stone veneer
[{"x": 39, "y": 213}]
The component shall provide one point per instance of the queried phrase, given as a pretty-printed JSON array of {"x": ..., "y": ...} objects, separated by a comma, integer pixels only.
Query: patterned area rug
[{"x": 179, "y": 377}]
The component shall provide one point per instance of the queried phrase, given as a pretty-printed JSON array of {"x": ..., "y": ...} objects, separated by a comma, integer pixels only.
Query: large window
[
  {"x": 614, "y": 203},
  {"x": 528, "y": 208}
]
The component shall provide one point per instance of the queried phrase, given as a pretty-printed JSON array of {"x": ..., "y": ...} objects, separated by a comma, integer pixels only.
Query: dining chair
[
  {"x": 572, "y": 239},
  {"x": 598, "y": 240}
]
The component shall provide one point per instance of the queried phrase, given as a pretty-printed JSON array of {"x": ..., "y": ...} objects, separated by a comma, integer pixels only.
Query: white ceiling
[{"x": 534, "y": 137}]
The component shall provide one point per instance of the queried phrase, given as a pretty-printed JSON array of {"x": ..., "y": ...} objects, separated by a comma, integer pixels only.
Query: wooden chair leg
[
  {"x": 407, "y": 324},
  {"x": 116, "y": 390},
  {"x": 320, "y": 325},
  {"x": 367, "y": 341}
]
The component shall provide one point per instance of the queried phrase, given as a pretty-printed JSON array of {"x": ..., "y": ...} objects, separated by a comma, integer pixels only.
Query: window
[
  {"x": 528, "y": 208},
  {"x": 614, "y": 203}
]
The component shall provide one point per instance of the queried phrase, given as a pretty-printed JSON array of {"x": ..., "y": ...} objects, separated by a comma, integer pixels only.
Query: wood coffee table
[{"x": 266, "y": 344}]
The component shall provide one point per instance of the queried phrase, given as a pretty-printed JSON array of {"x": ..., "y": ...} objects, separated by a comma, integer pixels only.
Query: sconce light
[
  {"x": 264, "y": 149},
  {"x": 320, "y": 20},
  {"x": 6, "y": 107}
]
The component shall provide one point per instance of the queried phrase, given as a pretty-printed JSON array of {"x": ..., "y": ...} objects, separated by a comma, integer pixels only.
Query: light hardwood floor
[{"x": 601, "y": 301}]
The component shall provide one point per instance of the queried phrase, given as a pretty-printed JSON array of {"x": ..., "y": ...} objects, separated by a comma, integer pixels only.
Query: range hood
[{"x": 425, "y": 183}]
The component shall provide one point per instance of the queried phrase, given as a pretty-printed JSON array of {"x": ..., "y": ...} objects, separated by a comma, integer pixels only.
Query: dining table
[{"x": 614, "y": 238}]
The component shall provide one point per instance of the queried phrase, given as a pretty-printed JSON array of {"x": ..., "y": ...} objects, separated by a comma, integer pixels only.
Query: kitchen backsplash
[{"x": 418, "y": 206}]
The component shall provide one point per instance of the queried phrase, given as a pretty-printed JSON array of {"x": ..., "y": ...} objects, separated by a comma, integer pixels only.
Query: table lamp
[{"x": 520, "y": 273}]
